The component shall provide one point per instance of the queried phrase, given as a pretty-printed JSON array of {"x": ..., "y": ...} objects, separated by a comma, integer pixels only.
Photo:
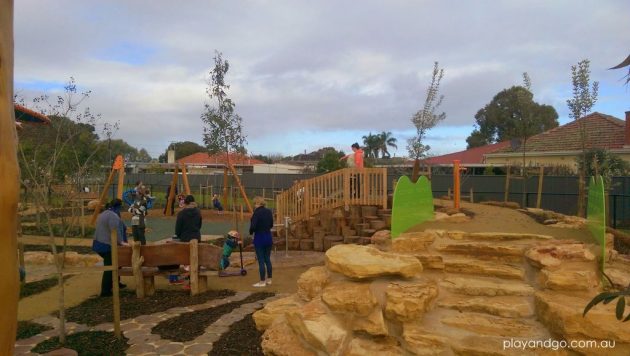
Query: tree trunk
[
  {"x": 9, "y": 189},
  {"x": 581, "y": 207},
  {"x": 58, "y": 258},
  {"x": 416, "y": 171}
]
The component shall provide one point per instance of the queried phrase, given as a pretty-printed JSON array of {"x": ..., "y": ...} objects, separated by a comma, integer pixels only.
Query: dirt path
[{"x": 497, "y": 219}]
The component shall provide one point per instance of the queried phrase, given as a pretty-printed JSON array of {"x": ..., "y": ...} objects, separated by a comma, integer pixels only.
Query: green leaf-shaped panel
[{"x": 413, "y": 204}]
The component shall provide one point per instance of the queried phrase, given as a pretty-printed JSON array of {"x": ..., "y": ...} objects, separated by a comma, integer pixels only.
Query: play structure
[{"x": 117, "y": 167}]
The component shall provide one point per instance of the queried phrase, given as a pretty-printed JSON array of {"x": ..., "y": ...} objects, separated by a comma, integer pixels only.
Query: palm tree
[
  {"x": 371, "y": 144},
  {"x": 386, "y": 139}
]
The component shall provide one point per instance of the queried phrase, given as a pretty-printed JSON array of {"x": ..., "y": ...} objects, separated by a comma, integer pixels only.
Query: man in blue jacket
[{"x": 108, "y": 221}]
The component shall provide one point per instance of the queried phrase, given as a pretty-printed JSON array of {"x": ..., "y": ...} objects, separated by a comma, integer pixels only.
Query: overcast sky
[{"x": 309, "y": 74}]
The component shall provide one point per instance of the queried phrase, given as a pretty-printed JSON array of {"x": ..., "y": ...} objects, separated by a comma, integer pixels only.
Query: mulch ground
[
  {"x": 242, "y": 339},
  {"x": 87, "y": 343},
  {"x": 40, "y": 286},
  {"x": 97, "y": 310},
  {"x": 26, "y": 329},
  {"x": 189, "y": 326}
]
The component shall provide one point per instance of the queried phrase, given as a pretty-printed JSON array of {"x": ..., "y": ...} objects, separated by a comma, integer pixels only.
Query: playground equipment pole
[{"x": 456, "y": 187}]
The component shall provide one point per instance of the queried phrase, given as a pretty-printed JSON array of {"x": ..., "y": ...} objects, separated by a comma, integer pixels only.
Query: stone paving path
[{"x": 138, "y": 330}]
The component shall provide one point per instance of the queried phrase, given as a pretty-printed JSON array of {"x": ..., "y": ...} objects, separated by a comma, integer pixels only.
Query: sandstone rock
[
  {"x": 486, "y": 345},
  {"x": 317, "y": 327},
  {"x": 494, "y": 326},
  {"x": 373, "y": 324},
  {"x": 551, "y": 255},
  {"x": 430, "y": 261},
  {"x": 421, "y": 342},
  {"x": 38, "y": 258},
  {"x": 456, "y": 218},
  {"x": 568, "y": 279},
  {"x": 381, "y": 347},
  {"x": 382, "y": 240},
  {"x": 312, "y": 282},
  {"x": 482, "y": 248},
  {"x": 619, "y": 277},
  {"x": 455, "y": 235},
  {"x": 562, "y": 314},
  {"x": 356, "y": 261},
  {"x": 280, "y": 340},
  {"x": 439, "y": 216},
  {"x": 274, "y": 309},
  {"x": 409, "y": 301},
  {"x": 486, "y": 287},
  {"x": 413, "y": 242},
  {"x": 508, "y": 306},
  {"x": 535, "y": 211},
  {"x": 349, "y": 297},
  {"x": 92, "y": 204},
  {"x": 475, "y": 266},
  {"x": 506, "y": 236}
]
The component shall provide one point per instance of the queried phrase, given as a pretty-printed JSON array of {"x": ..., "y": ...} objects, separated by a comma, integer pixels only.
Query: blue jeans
[{"x": 263, "y": 255}]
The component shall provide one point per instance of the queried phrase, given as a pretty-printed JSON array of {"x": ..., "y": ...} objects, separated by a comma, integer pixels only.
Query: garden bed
[
  {"x": 87, "y": 343},
  {"x": 189, "y": 326},
  {"x": 97, "y": 310},
  {"x": 26, "y": 329},
  {"x": 242, "y": 339},
  {"x": 37, "y": 287}
]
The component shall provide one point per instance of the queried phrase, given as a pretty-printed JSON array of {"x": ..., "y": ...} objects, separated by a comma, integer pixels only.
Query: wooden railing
[{"x": 349, "y": 186}]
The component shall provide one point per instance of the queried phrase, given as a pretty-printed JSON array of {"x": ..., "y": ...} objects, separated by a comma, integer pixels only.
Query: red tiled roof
[
  {"x": 602, "y": 131},
  {"x": 24, "y": 114},
  {"x": 470, "y": 156},
  {"x": 203, "y": 158}
]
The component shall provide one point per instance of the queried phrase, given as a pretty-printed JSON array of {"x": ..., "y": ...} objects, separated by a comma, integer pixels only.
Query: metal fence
[{"x": 559, "y": 193}]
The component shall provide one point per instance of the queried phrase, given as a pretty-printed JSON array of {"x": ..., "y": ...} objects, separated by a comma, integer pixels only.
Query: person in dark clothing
[
  {"x": 174, "y": 201},
  {"x": 260, "y": 226},
  {"x": 138, "y": 211},
  {"x": 188, "y": 224},
  {"x": 106, "y": 223}
]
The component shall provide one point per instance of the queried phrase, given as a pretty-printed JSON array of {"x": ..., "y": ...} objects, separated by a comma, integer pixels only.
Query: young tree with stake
[{"x": 425, "y": 119}]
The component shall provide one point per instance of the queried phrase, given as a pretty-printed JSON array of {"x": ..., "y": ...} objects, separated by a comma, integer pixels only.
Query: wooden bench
[{"x": 143, "y": 262}]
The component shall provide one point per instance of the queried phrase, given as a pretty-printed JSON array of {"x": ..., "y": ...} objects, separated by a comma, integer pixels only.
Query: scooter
[{"x": 242, "y": 272}]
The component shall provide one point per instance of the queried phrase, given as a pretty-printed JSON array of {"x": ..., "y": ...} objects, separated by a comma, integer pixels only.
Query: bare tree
[
  {"x": 425, "y": 119},
  {"x": 56, "y": 159},
  {"x": 584, "y": 97}
]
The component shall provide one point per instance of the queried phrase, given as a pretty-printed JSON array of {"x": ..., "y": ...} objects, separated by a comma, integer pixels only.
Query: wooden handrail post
[
  {"x": 136, "y": 265},
  {"x": 194, "y": 267},
  {"x": 116, "y": 288},
  {"x": 540, "y": 185},
  {"x": 384, "y": 189}
]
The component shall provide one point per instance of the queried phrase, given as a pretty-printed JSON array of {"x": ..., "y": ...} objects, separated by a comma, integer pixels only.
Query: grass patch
[
  {"x": 26, "y": 329},
  {"x": 37, "y": 287},
  {"x": 242, "y": 339},
  {"x": 97, "y": 310},
  {"x": 87, "y": 343},
  {"x": 189, "y": 326}
]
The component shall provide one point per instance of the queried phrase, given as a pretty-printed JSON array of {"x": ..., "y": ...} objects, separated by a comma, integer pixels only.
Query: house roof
[
  {"x": 470, "y": 156},
  {"x": 203, "y": 158},
  {"x": 27, "y": 115},
  {"x": 602, "y": 131}
]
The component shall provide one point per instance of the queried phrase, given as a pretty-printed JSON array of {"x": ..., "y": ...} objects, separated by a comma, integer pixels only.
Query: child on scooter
[{"x": 232, "y": 239}]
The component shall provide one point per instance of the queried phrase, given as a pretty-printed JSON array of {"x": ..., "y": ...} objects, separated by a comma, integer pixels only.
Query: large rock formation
[{"x": 483, "y": 290}]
